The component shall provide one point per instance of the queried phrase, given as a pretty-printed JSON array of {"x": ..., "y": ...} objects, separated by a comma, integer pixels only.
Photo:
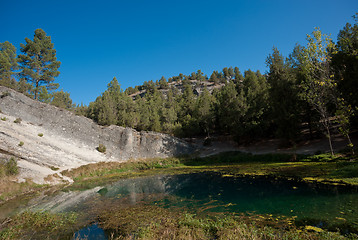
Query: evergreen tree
[
  {"x": 61, "y": 99},
  {"x": 238, "y": 76},
  {"x": 8, "y": 64},
  {"x": 283, "y": 98},
  {"x": 255, "y": 90},
  {"x": 169, "y": 113},
  {"x": 345, "y": 64},
  {"x": 38, "y": 64},
  {"x": 204, "y": 112},
  {"x": 163, "y": 84},
  {"x": 230, "y": 109},
  {"x": 44, "y": 95},
  {"x": 214, "y": 77}
]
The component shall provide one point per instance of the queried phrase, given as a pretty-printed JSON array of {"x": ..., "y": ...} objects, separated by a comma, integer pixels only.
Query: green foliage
[
  {"x": 345, "y": 62},
  {"x": 43, "y": 225},
  {"x": 319, "y": 87},
  {"x": 21, "y": 144},
  {"x": 163, "y": 84},
  {"x": 299, "y": 94},
  {"x": 9, "y": 167},
  {"x": 101, "y": 148},
  {"x": 62, "y": 99},
  {"x": 40, "y": 134},
  {"x": 38, "y": 63},
  {"x": 155, "y": 222},
  {"x": 8, "y": 64},
  {"x": 3, "y": 119},
  {"x": 17, "y": 120},
  {"x": 283, "y": 97}
]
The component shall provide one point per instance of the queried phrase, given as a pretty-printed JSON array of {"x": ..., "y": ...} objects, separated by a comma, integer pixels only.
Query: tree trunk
[
  {"x": 329, "y": 138},
  {"x": 36, "y": 89},
  {"x": 350, "y": 144}
]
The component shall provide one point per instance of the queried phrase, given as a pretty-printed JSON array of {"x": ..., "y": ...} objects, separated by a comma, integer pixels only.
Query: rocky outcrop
[{"x": 69, "y": 140}]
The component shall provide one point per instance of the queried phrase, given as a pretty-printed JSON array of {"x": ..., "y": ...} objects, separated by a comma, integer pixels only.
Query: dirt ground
[{"x": 273, "y": 146}]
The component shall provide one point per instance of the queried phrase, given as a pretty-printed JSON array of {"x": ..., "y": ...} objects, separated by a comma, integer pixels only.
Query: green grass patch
[
  {"x": 39, "y": 225},
  {"x": 8, "y": 167},
  {"x": 342, "y": 168},
  {"x": 154, "y": 222}
]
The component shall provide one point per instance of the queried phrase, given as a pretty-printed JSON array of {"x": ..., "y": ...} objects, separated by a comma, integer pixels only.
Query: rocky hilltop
[{"x": 55, "y": 139}]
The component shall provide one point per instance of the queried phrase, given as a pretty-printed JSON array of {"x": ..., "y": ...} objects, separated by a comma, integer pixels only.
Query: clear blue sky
[{"x": 138, "y": 41}]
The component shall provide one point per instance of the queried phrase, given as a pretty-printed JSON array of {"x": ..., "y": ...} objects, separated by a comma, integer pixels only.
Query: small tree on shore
[{"x": 319, "y": 85}]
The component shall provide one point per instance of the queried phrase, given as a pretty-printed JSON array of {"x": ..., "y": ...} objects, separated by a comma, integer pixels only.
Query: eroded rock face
[{"x": 70, "y": 140}]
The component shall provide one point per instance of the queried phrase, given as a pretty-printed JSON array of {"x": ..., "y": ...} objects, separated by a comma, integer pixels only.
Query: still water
[{"x": 213, "y": 192}]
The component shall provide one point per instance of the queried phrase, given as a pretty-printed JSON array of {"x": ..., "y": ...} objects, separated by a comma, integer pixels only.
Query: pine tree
[
  {"x": 61, "y": 99},
  {"x": 284, "y": 98},
  {"x": 214, "y": 77},
  {"x": 204, "y": 113},
  {"x": 163, "y": 84},
  {"x": 8, "y": 64},
  {"x": 38, "y": 64}
]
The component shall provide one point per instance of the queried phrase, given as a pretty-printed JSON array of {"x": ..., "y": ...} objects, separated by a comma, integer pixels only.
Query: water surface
[{"x": 214, "y": 192}]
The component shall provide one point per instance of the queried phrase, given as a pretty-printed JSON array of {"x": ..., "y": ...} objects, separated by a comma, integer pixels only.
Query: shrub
[
  {"x": 3, "y": 119},
  {"x": 18, "y": 120},
  {"x": 101, "y": 148},
  {"x": 4, "y": 94},
  {"x": 40, "y": 134},
  {"x": 21, "y": 144},
  {"x": 11, "y": 167}
]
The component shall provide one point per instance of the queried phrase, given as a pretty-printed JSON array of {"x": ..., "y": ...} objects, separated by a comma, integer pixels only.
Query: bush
[
  {"x": 18, "y": 120},
  {"x": 21, "y": 144},
  {"x": 4, "y": 94},
  {"x": 11, "y": 167},
  {"x": 40, "y": 134},
  {"x": 3, "y": 119},
  {"x": 101, "y": 148}
]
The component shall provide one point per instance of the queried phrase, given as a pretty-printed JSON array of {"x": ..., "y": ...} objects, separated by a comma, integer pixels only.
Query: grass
[
  {"x": 8, "y": 167},
  {"x": 144, "y": 221},
  {"x": 38, "y": 225},
  {"x": 9, "y": 187},
  {"x": 342, "y": 168},
  {"x": 148, "y": 221}
]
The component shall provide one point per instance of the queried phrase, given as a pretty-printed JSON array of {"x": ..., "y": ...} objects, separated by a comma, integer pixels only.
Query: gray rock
[{"x": 121, "y": 143}]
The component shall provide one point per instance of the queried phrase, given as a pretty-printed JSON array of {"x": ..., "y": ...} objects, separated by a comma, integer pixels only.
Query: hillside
[
  {"x": 197, "y": 86},
  {"x": 69, "y": 140}
]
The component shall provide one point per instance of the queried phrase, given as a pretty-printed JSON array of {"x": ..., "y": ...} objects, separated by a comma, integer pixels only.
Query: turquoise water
[{"x": 317, "y": 204}]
